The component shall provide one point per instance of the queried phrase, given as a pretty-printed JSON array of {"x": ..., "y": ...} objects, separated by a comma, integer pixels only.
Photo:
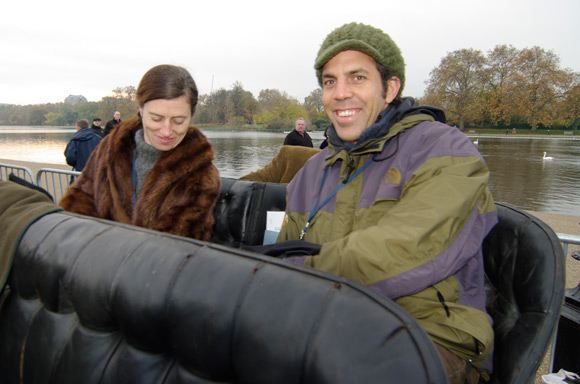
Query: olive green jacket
[
  {"x": 20, "y": 206},
  {"x": 410, "y": 226},
  {"x": 289, "y": 160}
]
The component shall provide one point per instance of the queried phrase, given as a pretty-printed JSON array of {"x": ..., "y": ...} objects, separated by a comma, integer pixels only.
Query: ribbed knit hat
[{"x": 366, "y": 39}]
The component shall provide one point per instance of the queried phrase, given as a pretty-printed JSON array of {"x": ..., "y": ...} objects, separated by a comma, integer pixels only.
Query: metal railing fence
[
  {"x": 568, "y": 239},
  {"x": 55, "y": 181},
  {"x": 22, "y": 172}
]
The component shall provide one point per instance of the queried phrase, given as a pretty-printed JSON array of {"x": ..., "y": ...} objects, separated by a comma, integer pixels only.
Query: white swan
[
  {"x": 547, "y": 157},
  {"x": 476, "y": 142}
]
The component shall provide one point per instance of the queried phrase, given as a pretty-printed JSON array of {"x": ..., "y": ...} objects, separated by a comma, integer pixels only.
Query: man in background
[
  {"x": 111, "y": 124},
  {"x": 96, "y": 127},
  {"x": 81, "y": 145},
  {"x": 298, "y": 136}
]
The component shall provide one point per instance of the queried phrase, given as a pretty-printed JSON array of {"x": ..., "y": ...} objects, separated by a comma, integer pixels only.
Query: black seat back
[
  {"x": 525, "y": 273},
  {"x": 240, "y": 213},
  {"x": 93, "y": 301}
]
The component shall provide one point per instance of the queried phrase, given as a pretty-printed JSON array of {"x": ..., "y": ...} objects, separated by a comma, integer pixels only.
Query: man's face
[
  {"x": 97, "y": 123},
  {"x": 117, "y": 115},
  {"x": 352, "y": 93},
  {"x": 300, "y": 126}
]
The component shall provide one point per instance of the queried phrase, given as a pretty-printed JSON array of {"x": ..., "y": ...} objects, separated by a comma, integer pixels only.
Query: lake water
[{"x": 519, "y": 175}]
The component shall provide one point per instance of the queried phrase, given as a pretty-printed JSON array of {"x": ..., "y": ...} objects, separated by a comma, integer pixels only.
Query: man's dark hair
[
  {"x": 385, "y": 76},
  {"x": 82, "y": 123}
]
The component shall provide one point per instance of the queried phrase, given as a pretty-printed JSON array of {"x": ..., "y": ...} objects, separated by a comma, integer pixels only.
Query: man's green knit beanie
[{"x": 366, "y": 39}]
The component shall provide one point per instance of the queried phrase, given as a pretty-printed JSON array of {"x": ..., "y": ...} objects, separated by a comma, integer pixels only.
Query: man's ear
[{"x": 393, "y": 87}]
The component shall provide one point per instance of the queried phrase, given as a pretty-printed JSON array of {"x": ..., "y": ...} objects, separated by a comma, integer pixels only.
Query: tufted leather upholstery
[
  {"x": 525, "y": 273},
  {"x": 94, "y": 301}
]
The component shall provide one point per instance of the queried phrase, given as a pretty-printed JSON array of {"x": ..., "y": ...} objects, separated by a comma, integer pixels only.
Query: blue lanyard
[{"x": 316, "y": 207}]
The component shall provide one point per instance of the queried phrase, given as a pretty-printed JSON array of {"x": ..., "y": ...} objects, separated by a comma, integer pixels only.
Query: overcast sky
[{"x": 52, "y": 49}]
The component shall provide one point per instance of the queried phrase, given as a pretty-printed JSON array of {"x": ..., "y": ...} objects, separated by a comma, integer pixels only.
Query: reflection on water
[
  {"x": 519, "y": 175},
  {"x": 36, "y": 145},
  {"x": 239, "y": 153}
]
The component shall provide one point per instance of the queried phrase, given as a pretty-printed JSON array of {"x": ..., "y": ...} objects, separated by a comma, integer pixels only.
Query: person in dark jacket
[
  {"x": 111, "y": 124},
  {"x": 298, "y": 136},
  {"x": 81, "y": 145},
  {"x": 96, "y": 126}
]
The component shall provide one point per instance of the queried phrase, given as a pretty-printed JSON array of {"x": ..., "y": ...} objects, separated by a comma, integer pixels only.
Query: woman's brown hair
[{"x": 167, "y": 82}]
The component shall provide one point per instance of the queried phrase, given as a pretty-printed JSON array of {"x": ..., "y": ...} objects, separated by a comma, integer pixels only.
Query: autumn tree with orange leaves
[{"x": 506, "y": 85}]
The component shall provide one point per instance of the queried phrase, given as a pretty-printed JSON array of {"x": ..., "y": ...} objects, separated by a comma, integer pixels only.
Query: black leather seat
[
  {"x": 240, "y": 212},
  {"x": 94, "y": 301},
  {"x": 524, "y": 264},
  {"x": 525, "y": 272}
]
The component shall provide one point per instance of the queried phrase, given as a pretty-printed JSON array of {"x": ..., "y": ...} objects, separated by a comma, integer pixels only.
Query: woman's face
[{"x": 165, "y": 122}]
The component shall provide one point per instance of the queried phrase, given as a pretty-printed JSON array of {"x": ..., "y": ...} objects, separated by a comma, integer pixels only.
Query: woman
[{"x": 154, "y": 170}]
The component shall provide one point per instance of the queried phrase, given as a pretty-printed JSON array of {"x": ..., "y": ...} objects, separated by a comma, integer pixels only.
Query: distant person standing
[
  {"x": 298, "y": 136},
  {"x": 96, "y": 127},
  {"x": 81, "y": 145},
  {"x": 111, "y": 124}
]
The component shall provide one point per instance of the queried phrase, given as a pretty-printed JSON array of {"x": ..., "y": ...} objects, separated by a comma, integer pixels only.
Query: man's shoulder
[
  {"x": 432, "y": 128},
  {"x": 297, "y": 150},
  {"x": 86, "y": 134}
]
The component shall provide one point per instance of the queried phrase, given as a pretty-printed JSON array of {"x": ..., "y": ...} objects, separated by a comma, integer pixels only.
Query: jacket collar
[{"x": 391, "y": 121}]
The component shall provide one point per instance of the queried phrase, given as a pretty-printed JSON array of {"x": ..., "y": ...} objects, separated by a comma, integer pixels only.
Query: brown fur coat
[{"x": 178, "y": 195}]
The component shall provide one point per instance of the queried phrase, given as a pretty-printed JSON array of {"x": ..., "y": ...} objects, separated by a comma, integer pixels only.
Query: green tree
[
  {"x": 87, "y": 110},
  {"x": 37, "y": 116},
  {"x": 242, "y": 104},
  {"x": 315, "y": 109},
  {"x": 52, "y": 118},
  {"x": 277, "y": 110},
  {"x": 123, "y": 99}
]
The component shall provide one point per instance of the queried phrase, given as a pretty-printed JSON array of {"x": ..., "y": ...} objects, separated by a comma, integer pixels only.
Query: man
[
  {"x": 111, "y": 124},
  {"x": 96, "y": 127},
  {"x": 398, "y": 201},
  {"x": 298, "y": 136},
  {"x": 81, "y": 145}
]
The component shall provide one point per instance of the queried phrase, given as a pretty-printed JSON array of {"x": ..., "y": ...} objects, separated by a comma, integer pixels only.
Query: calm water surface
[{"x": 519, "y": 175}]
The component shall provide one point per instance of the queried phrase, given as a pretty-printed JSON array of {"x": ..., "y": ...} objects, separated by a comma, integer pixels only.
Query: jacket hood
[{"x": 85, "y": 134}]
